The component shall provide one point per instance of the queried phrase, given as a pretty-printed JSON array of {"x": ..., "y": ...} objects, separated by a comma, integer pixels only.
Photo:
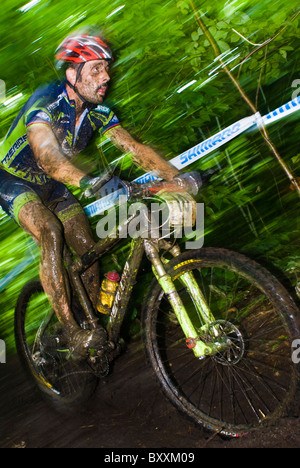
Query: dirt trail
[{"x": 127, "y": 411}]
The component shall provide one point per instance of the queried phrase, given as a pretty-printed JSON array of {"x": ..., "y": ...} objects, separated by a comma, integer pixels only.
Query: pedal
[{"x": 100, "y": 365}]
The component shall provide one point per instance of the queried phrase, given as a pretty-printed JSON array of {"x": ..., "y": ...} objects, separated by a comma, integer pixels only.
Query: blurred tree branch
[
  {"x": 263, "y": 129},
  {"x": 260, "y": 46}
]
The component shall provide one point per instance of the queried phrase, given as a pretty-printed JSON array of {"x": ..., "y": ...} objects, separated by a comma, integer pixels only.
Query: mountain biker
[{"x": 56, "y": 123}]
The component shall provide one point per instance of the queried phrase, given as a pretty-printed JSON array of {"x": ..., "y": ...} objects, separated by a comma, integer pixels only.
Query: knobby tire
[
  {"x": 65, "y": 382},
  {"x": 229, "y": 393}
]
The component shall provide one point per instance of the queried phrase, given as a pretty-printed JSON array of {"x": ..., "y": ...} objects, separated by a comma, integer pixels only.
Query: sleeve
[
  {"x": 112, "y": 122},
  {"x": 38, "y": 116},
  {"x": 109, "y": 121}
]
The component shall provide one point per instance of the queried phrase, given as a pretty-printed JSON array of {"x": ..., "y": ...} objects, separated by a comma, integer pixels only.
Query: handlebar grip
[{"x": 191, "y": 182}]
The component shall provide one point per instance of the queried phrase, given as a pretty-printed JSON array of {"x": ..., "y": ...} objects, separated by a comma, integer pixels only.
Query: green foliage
[{"x": 160, "y": 48}]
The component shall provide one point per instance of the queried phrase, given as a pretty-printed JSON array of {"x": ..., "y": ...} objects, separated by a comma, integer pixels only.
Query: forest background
[{"x": 171, "y": 92}]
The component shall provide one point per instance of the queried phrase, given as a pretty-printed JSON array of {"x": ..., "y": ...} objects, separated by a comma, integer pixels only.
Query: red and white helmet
[{"x": 83, "y": 48}]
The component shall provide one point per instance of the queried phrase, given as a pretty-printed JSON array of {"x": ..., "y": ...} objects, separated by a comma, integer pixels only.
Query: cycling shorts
[{"x": 16, "y": 192}]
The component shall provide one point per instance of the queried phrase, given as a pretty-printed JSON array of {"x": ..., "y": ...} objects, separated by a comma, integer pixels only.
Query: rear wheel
[
  {"x": 252, "y": 380},
  {"x": 44, "y": 352}
]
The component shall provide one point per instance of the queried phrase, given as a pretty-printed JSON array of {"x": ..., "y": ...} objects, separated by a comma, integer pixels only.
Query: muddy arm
[
  {"x": 143, "y": 155},
  {"x": 49, "y": 156}
]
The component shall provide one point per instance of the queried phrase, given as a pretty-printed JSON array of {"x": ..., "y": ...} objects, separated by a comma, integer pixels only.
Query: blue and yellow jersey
[{"x": 50, "y": 105}]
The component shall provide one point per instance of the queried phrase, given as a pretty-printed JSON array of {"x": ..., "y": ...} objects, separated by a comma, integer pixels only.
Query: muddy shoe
[
  {"x": 81, "y": 341},
  {"x": 53, "y": 342}
]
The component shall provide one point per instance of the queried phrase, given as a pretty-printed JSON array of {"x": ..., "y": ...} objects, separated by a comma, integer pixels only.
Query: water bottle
[{"x": 108, "y": 291}]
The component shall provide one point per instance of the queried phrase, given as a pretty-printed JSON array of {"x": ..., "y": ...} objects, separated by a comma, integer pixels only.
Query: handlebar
[
  {"x": 189, "y": 182},
  {"x": 94, "y": 185},
  {"x": 149, "y": 189}
]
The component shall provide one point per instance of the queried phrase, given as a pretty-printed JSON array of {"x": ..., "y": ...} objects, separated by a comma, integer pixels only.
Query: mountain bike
[{"x": 217, "y": 328}]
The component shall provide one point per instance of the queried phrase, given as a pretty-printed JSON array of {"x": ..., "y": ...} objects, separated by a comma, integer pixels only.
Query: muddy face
[{"x": 92, "y": 83}]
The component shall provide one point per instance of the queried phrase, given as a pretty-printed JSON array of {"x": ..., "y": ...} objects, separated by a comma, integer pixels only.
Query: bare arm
[
  {"x": 50, "y": 157},
  {"x": 143, "y": 155}
]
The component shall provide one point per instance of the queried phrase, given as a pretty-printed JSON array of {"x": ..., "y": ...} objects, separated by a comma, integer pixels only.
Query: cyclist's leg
[
  {"x": 43, "y": 225},
  {"x": 77, "y": 232},
  {"x": 46, "y": 229},
  {"x": 22, "y": 201},
  {"x": 79, "y": 236}
]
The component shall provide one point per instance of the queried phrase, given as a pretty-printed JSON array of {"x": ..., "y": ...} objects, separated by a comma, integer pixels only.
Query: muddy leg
[
  {"x": 79, "y": 237},
  {"x": 46, "y": 229}
]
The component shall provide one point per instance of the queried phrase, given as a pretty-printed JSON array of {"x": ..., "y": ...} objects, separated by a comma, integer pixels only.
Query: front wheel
[
  {"x": 44, "y": 352},
  {"x": 250, "y": 383}
]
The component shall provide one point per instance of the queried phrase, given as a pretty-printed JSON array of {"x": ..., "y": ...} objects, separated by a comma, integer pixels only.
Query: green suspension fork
[{"x": 200, "y": 348}]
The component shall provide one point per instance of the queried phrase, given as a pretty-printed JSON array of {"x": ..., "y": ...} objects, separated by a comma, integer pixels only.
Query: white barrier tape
[
  {"x": 213, "y": 143},
  {"x": 181, "y": 161},
  {"x": 202, "y": 149}
]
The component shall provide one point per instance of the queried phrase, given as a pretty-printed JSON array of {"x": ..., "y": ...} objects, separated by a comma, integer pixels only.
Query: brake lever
[
  {"x": 104, "y": 178},
  {"x": 193, "y": 181}
]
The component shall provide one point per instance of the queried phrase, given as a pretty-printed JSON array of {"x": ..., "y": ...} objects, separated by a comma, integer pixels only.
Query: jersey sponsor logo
[
  {"x": 114, "y": 119},
  {"x": 42, "y": 115},
  {"x": 103, "y": 109},
  {"x": 54, "y": 105},
  {"x": 16, "y": 146}
]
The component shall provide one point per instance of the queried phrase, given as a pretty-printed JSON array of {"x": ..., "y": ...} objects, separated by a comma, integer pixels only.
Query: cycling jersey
[
  {"x": 21, "y": 179},
  {"x": 51, "y": 106}
]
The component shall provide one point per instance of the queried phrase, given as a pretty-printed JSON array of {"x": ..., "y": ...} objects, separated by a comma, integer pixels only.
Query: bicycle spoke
[
  {"x": 249, "y": 377},
  {"x": 49, "y": 361}
]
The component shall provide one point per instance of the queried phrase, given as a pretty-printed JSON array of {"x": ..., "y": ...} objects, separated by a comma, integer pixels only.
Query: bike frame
[{"x": 151, "y": 247}]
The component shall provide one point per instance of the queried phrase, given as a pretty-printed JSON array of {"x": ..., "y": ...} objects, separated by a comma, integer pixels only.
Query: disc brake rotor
[{"x": 230, "y": 340}]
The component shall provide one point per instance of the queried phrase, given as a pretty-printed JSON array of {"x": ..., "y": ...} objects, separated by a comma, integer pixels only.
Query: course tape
[
  {"x": 180, "y": 162},
  {"x": 203, "y": 149}
]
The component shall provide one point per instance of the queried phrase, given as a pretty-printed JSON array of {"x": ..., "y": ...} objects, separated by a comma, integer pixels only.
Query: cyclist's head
[{"x": 87, "y": 60}]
